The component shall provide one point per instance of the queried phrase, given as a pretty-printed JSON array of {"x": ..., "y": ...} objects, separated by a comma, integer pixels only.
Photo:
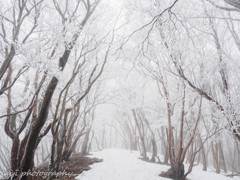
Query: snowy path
[{"x": 124, "y": 165}]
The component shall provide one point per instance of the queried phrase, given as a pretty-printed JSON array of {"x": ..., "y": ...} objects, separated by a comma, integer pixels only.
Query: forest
[{"x": 159, "y": 77}]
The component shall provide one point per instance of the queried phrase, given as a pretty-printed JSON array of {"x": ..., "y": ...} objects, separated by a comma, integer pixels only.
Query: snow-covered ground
[{"x": 125, "y": 165}]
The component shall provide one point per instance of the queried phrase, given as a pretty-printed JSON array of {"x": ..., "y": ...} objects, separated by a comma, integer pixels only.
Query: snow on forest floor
[{"x": 123, "y": 165}]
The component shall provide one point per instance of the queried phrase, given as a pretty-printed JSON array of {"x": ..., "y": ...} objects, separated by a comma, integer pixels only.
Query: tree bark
[
  {"x": 203, "y": 156},
  {"x": 85, "y": 143},
  {"x": 144, "y": 153},
  {"x": 222, "y": 158},
  {"x": 26, "y": 163}
]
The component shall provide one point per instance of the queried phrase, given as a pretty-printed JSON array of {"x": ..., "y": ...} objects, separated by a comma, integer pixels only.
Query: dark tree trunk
[
  {"x": 176, "y": 172},
  {"x": 26, "y": 163},
  {"x": 14, "y": 155}
]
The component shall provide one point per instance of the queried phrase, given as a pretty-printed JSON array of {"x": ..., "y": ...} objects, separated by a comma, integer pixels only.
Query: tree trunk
[
  {"x": 85, "y": 143},
  {"x": 203, "y": 157},
  {"x": 176, "y": 172},
  {"x": 215, "y": 158},
  {"x": 154, "y": 149},
  {"x": 26, "y": 163},
  {"x": 222, "y": 158},
  {"x": 103, "y": 137},
  {"x": 144, "y": 153}
]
